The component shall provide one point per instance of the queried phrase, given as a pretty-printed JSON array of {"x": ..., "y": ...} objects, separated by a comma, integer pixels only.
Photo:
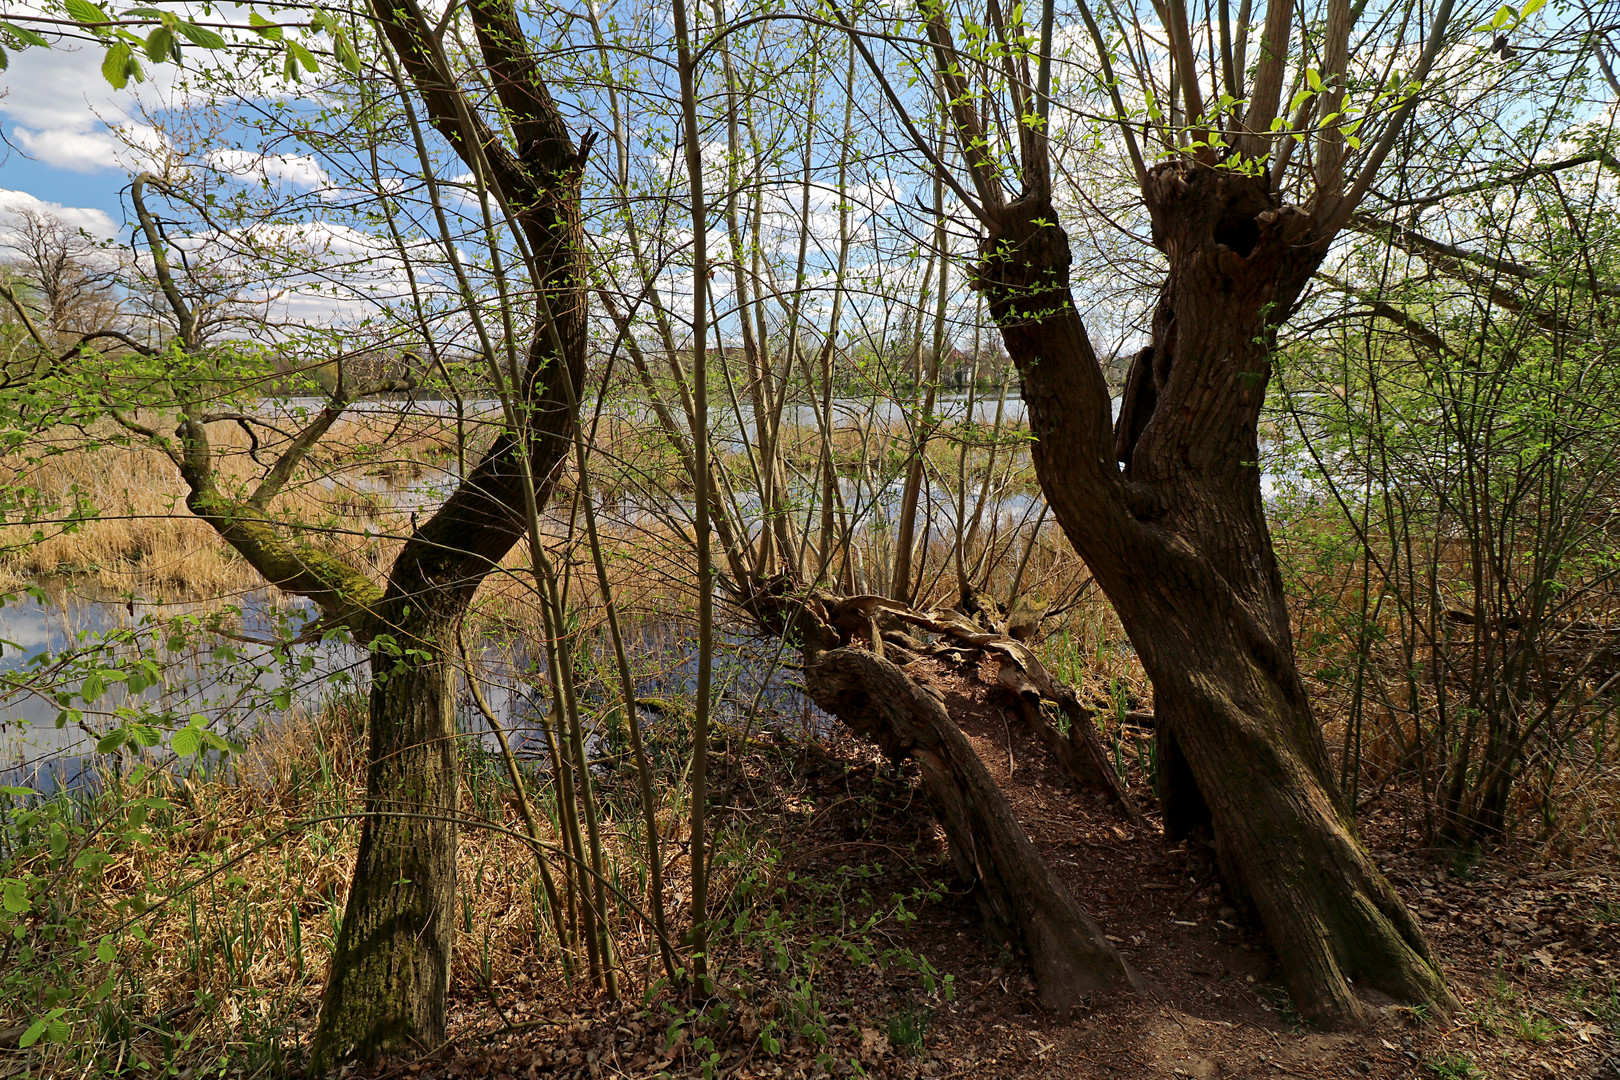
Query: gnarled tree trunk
[
  {"x": 1178, "y": 541},
  {"x": 1023, "y": 902},
  {"x": 386, "y": 991}
]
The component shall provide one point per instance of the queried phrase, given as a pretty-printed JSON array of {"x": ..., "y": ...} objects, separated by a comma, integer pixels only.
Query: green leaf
[
  {"x": 186, "y": 742},
  {"x": 1314, "y": 79},
  {"x": 115, "y": 69},
  {"x": 84, "y": 12},
  {"x": 91, "y": 860},
  {"x": 111, "y": 741},
  {"x": 344, "y": 52},
  {"x": 1501, "y": 20},
  {"x": 5, "y": 61},
  {"x": 1530, "y": 8},
  {"x": 105, "y": 951},
  {"x": 264, "y": 27},
  {"x": 31, "y": 1036},
  {"x": 303, "y": 55},
  {"x": 200, "y": 36},
  {"x": 25, "y": 35},
  {"x": 14, "y": 894},
  {"x": 159, "y": 44},
  {"x": 216, "y": 742}
]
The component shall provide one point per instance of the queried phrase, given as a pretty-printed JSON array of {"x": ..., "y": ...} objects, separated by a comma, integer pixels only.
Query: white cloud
[
  {"x": 298, "y": 170},
  {"x": 64, "y": 113},
  {"x": 81, "y": 151},
  {"x": 128, "y": 147},
  {"x": 95, "y": 222}
]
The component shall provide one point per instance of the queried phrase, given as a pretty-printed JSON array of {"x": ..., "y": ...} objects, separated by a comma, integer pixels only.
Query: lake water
[
  {"x": 54, "y": 643},
  {"x": 58, "y": 639}
]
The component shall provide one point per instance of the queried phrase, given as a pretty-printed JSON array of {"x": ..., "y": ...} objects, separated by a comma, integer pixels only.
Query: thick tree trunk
[
  {"x": 390, "y": 973},
  {"x": 1179, "y": 543},
  {"x": 1023, "y": 902}
]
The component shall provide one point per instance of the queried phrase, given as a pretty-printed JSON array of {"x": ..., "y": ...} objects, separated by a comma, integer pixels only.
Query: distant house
[{"x": 959, "y": 369}]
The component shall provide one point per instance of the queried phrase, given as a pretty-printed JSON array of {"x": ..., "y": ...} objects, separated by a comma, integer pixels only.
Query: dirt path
[{"x": 1534, "y": 959}]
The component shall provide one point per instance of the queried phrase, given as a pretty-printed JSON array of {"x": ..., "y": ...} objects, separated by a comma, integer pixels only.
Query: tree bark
[
  {"x": 1023, "y": 902},
  {"x": 390, "y": 974},
  {"x": 1179, "y": 543}
]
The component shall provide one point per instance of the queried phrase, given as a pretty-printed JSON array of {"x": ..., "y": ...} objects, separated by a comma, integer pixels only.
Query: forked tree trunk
[
  {"x": 386, "y": 991},
  {"x": 390, "y": 973},
  {"x": 1179, "y": 543}
]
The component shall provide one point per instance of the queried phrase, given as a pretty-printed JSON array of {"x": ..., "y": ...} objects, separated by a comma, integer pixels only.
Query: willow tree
[
  {"x": 1244, "y": 188},
  {"x": 390, "y": 975},
  {"x": 387, "y": 990}
]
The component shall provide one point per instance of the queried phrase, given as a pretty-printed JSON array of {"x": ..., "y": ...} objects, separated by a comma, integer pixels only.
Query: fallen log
[{"x": 1082, "y": 754}]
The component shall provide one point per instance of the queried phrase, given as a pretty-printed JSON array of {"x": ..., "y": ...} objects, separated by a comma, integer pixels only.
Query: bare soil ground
[{"x": 1534, "y": 956}]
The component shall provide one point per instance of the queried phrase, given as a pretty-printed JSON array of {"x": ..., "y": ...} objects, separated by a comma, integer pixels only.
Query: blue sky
[{"x": 60, "y": 116}]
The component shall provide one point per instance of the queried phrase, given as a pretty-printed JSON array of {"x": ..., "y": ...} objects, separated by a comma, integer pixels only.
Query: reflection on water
[
  {"x": 61, "y": 645},
  {"x": 845, "y": 410},
  {"x": 222, "y": 662}
]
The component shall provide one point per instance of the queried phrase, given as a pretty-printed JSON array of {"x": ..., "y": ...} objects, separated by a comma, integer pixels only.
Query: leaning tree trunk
[
  {"x": 1023, "y": 902},
  {"x": 1179, "y": 543},
  {"x": 387, "y": 989}
]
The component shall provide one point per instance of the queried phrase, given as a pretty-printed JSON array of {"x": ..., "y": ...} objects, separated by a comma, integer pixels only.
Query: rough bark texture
[
  {"x": 390, "y": 973},
  {"x": 1023, "y": 902},
  {"x": 1178, "y": 541},
  {"x": 386, "y": 991}
]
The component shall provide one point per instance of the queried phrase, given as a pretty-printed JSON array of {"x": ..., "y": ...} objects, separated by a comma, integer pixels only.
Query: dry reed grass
[
  {"x": 1566, "y": 804},
  {"x": 115, "y": 512},
  {"x": 248, "y": 875}
]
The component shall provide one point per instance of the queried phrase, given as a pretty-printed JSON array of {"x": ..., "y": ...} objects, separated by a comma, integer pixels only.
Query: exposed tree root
[{"x": 1023, "y": 902}]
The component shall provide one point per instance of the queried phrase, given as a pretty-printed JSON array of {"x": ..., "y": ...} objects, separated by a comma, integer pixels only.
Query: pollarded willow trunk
[{"x": 1179, "y": 543}]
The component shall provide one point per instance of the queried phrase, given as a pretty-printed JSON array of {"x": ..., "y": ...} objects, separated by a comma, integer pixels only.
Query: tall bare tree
[{"x": 387, "y": 988}]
